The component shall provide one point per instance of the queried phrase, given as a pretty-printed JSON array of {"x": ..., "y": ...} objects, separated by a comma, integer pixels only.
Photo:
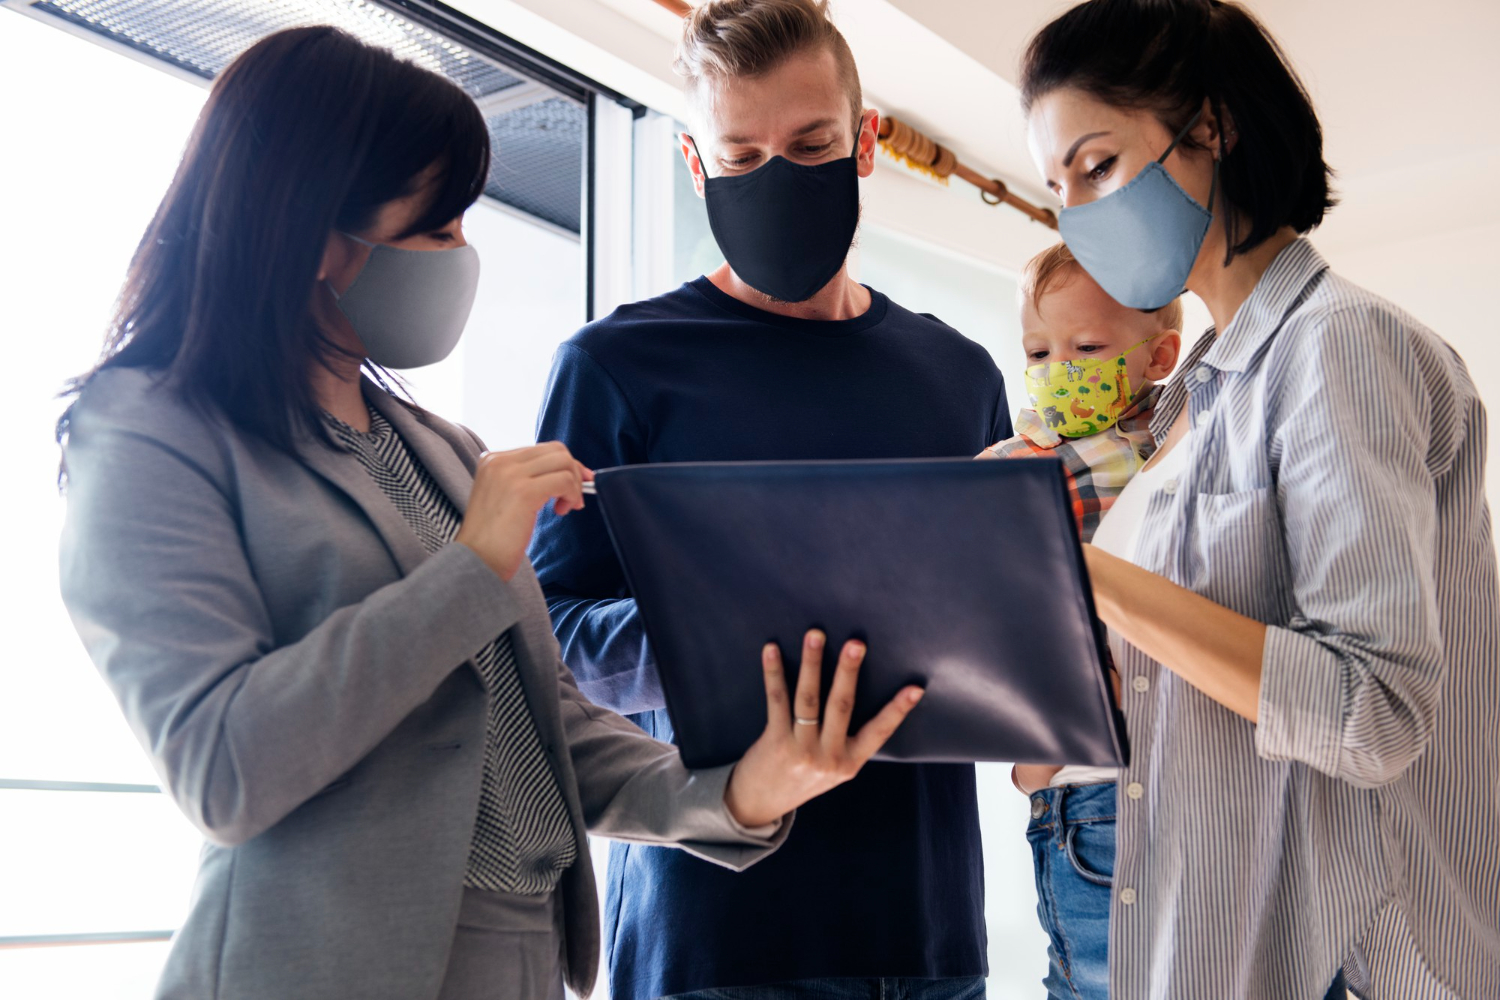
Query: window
[
  {"x": 75, "y": 861},
  {"x": 90, "y": 851}
]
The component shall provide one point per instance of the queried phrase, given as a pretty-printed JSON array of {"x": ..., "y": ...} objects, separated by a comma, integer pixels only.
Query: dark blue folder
[{"x": 963, "y": 576}]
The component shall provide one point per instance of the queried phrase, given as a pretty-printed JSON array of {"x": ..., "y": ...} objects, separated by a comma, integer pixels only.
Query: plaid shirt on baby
[{"x": 1098, "y": 466}]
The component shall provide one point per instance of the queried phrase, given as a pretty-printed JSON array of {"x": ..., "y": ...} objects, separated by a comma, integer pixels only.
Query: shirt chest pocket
[{"x": 1236, "y": 555}]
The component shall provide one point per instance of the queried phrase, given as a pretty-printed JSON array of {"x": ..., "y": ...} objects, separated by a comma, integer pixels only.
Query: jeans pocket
[{"x": 1089, "y": 870}]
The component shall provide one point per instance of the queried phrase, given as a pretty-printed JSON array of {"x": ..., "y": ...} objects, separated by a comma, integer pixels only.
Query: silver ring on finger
[{"x": 806, "y": 722}]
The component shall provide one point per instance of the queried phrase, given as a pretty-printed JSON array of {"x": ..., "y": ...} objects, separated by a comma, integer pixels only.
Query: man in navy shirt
[{"x": 778, "y": 354}]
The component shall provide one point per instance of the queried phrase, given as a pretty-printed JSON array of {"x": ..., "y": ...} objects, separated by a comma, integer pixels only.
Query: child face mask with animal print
[{"x": 1083, "y": 396}]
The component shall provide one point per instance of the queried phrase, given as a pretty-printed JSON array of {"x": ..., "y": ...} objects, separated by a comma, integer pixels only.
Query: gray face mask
[{"x": 409, "y": 307}]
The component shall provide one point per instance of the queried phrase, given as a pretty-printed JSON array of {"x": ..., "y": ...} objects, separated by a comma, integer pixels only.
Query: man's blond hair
[
  {"x": 724, "y": 39},
  {"x": 1056, "y": 264}
]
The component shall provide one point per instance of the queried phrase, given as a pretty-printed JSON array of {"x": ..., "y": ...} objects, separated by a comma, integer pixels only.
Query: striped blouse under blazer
[{"x": 1335, "y": 491}]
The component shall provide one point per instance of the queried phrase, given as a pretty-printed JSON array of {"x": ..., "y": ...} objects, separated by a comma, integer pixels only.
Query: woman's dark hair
[
  {"x": 1166, "y": 57},
  {"x": 309, "y": 131}
]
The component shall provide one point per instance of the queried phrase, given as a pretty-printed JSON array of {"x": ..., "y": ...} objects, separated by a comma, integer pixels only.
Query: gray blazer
[{"x": 298, "y": 669}]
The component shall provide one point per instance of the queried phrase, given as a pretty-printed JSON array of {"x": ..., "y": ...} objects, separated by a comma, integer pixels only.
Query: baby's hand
[
  {"x": 987, "y": 453},
  {"x": 1029, "y": 778}
]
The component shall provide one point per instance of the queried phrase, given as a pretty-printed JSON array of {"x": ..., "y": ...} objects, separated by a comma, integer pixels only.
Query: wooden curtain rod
[{"x": 922, "y": 154}]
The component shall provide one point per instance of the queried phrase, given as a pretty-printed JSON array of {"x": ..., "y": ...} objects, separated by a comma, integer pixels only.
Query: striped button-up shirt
[{"x": 1334, "y": 489}]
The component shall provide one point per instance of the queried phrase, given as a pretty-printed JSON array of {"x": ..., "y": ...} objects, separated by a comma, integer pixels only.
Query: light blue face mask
[
  {"x": 409, "y": 307},
  {"x": 1140, "y": 242}
]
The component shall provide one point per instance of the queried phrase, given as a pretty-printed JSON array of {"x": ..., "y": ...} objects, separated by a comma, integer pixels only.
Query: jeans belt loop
[{"x": 1060, "y": 818}]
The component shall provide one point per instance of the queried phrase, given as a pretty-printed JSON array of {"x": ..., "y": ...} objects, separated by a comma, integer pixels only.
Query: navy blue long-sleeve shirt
[{"x": 882, "y": 876}]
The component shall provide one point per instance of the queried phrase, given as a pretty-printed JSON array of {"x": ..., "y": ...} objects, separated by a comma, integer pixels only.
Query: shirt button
[
  {"x": 1141, "y": 684},
  {"x": 1169, "y": 487},
  {"x": 1134, "y": 790},
  {"x": 1038, "y": 807},
  {"x": 1127, "y": 896},
  {"x": 1204, "y": 374}
]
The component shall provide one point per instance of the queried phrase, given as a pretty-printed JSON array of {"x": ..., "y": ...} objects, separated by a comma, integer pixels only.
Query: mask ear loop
[
  {"x": 1180, "y": 136},
  {"x": 1213, "y": 184},
  {"x": 333, "y": 291},
  {"x": 702, "y": 163},
  {"x": 1229, "y": 225}
]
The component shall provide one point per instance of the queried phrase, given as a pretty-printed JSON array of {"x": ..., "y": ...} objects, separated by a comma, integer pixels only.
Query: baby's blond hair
[{"x": 1056, "y": 264}]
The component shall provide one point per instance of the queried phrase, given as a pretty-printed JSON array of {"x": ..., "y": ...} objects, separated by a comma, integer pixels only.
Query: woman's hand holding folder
[{"x": 801, "y": 755}]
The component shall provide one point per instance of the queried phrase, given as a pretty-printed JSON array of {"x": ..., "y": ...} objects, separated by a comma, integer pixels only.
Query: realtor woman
[
  {"x": 311, "y": 599},
  {"x": 1310, "y": 614}
]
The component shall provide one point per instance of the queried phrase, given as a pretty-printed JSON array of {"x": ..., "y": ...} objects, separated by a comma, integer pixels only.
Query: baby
[{"x": 1093, "y": 379}]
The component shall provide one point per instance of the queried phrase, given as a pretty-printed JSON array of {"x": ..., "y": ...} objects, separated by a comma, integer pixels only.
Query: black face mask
[{"x": 785, "y": 228}]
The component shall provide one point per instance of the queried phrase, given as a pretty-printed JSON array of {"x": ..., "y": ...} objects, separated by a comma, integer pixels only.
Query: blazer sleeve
[
  {"x": 593, "y": 615},
  {"x": 636, "y": 789},
  {"x": 240, "y": 727}
]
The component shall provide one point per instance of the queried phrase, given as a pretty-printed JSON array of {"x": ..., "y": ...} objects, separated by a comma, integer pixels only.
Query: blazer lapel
[
  {"x": 344, "y": 471},
  {"x": 441, "y": 457},
  {"x": 450, "y": 456},
  {"x": 454, "y": 475}
]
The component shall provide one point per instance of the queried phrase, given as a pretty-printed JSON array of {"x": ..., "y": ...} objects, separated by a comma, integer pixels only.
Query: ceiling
[
  {"x": 1392, "y": 88},
  {"x": 1407, "y": 99}
]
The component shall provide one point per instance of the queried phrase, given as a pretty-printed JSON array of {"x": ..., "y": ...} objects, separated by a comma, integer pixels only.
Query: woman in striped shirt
[{"x": 1309, "y": 616}]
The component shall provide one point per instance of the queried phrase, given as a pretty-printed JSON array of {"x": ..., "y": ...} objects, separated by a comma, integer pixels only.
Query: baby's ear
[{"x": 1165, "y": 348}]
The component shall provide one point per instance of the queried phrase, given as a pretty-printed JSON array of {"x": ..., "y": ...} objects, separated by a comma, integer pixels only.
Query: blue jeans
[
  {"x": 964, "y": 988},
  {"x": 1072, "y": 837}
]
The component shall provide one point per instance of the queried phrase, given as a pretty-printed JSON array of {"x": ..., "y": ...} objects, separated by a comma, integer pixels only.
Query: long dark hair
[
  {"x": 308, "y": 131},
  {"x": 1167, "y": 57}
]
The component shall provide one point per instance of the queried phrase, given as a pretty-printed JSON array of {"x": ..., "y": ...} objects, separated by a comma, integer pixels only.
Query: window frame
[{"x": 598, "y": 101}]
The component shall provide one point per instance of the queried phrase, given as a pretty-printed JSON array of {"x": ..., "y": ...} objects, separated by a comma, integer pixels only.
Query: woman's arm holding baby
[{"x": 1216, "y": 650}]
